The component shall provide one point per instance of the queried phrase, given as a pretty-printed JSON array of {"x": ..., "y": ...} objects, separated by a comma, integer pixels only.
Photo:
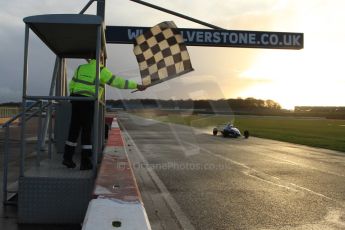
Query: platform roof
[{"x": 68, "y": 35}]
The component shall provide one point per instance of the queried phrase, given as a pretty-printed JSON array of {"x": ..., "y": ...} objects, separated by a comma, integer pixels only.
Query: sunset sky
[{"x": 311, "y": 76}]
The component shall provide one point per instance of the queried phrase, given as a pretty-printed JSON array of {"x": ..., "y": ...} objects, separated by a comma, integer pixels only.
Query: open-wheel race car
[{"x": 228, "y": 130}]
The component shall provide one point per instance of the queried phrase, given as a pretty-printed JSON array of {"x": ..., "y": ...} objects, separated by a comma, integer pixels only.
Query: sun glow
[
  {"x": 311, "y": 76},
  {"x": 294, "y": 79}
]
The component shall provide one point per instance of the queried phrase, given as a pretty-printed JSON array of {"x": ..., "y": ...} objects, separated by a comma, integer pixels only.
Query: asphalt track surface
[{"x": 190, "y": 179}]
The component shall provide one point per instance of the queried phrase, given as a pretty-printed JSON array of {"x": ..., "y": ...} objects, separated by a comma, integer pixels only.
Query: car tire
[
  {"x": 215, "y": 132},
  {"x": 246, "y": 134}
]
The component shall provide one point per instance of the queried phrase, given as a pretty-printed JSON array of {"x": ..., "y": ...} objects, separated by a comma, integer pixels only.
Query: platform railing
[
  {"x": 36, "y": 110},
  {"x": 28, "y": 113}
]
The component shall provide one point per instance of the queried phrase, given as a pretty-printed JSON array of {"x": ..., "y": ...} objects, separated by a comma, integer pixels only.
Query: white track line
[
  {"x": 291, "y": 186},
  {"x": 292, "y": 162},
  {"x": 173, "y": 205}
]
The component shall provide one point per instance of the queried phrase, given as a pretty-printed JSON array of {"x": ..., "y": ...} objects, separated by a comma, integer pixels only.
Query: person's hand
[{"x": 141, "y": 87}]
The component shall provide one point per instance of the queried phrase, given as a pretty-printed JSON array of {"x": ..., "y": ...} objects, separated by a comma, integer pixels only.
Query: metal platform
[
  {"x": 50, "y": 168},
  {"x": 53, "y": 193}
]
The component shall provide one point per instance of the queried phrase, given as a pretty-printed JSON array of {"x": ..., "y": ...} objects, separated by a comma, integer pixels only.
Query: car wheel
[
  {"x": 215, "y": 132},
  {"x": 246, "y": 134}
]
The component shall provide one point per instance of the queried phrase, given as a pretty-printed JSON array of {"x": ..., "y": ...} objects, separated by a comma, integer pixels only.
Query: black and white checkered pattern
[{"x": 161, "y": 54}]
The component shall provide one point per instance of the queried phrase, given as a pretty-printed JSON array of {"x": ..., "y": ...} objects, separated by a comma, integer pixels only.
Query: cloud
[
  {"x": 211, "y": 63},
  {"x": 10, "y": 94},
  {"x": 217, "y": 70}
]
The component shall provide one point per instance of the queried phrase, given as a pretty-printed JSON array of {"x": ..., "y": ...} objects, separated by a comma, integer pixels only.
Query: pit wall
[{"x": 116, "y": 202}]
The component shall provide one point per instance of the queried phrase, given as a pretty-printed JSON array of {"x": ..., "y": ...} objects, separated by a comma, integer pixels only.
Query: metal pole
[
  {"x": 50, "y": 130},
  {"x": 101, "y": 134},
  {"x": 101, "y": 8},
  {"x": 26, "y": 54},
  {"x": 101, "y": 13},
  {"x": 96, "y": 110},
  {"x": 34, "y": 113},
  {"x": 25, "y": 78},
  {"x": 39, "y": 136},
  {"x": 86, "y": 7},
  {"x": 63, "y": 89},
  {"x": 102, "y": 122},
  {"x": 59, "y": 98},
  {"x": 58, "y": 87},
  {"x": 65, "y": 78},
  {"x": 20, "y": 114},
  {"x": 62, "y": 76},
  {"x": 55, "y": 73},
  {"x": 100, "y": 129},
  {"x": 177, "y": 14},
  {"x": 5, "y": 165},
  {"x": 58, "y": 83},
  {"x": 51, "y": 92},
  {"x": 103, "y": 125}
]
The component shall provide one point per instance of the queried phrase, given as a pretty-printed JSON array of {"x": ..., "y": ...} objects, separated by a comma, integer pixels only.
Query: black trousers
[{"x": 81, "y": 122}]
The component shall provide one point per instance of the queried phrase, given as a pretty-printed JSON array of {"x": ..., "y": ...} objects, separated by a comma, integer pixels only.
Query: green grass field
[{"x": 316, "y": 132}]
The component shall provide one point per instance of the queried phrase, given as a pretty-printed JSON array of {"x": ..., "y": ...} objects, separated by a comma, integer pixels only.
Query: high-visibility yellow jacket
[{"x": 84, "y": 80}]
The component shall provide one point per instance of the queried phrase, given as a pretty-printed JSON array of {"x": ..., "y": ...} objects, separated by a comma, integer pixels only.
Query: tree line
[
  {"x": 331, "y": 112},
  {"x": 205, "y": 105}
]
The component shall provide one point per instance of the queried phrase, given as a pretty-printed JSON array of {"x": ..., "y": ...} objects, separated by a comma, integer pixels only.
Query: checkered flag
[{"x": 161, "y": 54}]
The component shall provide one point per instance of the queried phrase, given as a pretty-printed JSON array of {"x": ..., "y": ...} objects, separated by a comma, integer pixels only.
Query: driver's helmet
[{"x": 229, "y": 125}]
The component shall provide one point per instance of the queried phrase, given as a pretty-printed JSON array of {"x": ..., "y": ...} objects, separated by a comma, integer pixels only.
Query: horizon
[{"x": 219, "y": 99}]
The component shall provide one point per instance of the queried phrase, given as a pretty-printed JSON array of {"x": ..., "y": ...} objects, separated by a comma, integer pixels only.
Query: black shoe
[
  {"x": 69, "y": 163},
  {"x": 85, "y": 164}
]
